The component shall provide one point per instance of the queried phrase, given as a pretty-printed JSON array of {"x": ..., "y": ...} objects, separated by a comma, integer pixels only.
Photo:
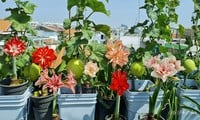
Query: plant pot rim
[
  {"x": 8, "y": 86},
  {"x": 36, "y": 97}
]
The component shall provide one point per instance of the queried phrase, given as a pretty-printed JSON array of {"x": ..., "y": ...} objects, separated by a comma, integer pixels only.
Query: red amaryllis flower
[
  {"x": 14, "y": 46},
  {"x": 119, "y": 82},
  {"x": 43, "y": 56}
]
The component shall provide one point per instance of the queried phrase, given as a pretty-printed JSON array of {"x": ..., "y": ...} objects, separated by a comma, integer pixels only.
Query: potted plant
[
  {"x": 142, "y": 85},
  {"x": 79, "y": 98},
  {"x": 13, "y": 85},
  {"x": 117, "y": 55},
  {"x": 46, "y": 82},
  {"x": 13, "y": 60},
  {"x": 82, "y": 61},
  {"x": 15, "y": 48},
  {"x": 119, "y": 84},
  {"x": 164, "y": 69},
  {"x": 188, "y": 91}
]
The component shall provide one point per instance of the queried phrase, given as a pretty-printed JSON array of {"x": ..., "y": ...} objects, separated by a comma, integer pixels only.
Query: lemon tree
[
  {"x": 137, "y": 69},
  {"x": 76, "y": 66}
]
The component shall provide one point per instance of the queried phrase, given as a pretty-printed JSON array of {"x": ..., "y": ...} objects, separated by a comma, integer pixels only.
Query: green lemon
[
  {"x": 76, "y": 66},
  {"x": 189, "y": 65},
  {"x": 32, "y": 72},
  {"x": 137, "y": 69}
]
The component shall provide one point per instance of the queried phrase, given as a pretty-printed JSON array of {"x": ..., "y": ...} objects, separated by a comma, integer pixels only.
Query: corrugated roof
[
  {"x": 52, "y": 28},
  {"x": 4, "y": 25}
]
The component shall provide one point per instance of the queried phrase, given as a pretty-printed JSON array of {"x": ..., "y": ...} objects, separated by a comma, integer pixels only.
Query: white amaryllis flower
[{"x": 91, "y": 69}]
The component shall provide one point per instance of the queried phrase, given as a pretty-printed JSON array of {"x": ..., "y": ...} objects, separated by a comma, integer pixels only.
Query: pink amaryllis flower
[
  {"x": 43, "y": 56},
  {"x": 43, "y": 78},
  {"x": 70, "y": 82},
  {"x": 176, "y": 63},
  {"x": 163, "y": 71},
  {"x": 119, "y": 82},
  {"x": 14, "y": 46},
  {"x": 91, "y": 69},
  {"x": 153, "y": 61},
  {"x": 116, "y": 53},
  {"x": 164, "y": 68},
  {"x": 53, "y": 83}
]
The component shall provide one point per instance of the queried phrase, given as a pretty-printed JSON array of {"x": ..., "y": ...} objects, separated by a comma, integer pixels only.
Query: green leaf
[
  {"x": 160, "y": 4},
  {"x": 190, "y": 109},
  {"x": 150, "y": 45},
  {"x": 67, "y": 23},
  {"x": 71, "y": 3},
  {"x": 152, "y": 14},
  {"x": 98, "y": 51},
  {"x": 21, "y": 17},
  {"x": 132, "y": 29},
  {"x": 193, "y": 101},
  {"x": 155, "y": 32},
  {"x": 62, "y": 67},
  {"x": 87, "y": 34},
  {"x": 22, "y": 60},
  {"x": 163, "y": 20},
  {"x": 3, "y": 0},
  {"x": 103, "y": 28},
  {"x": 97, "y": 6},
  {"x": 162, "y": 49},
  {"x": 19, "y": 26},
  {"x": 28, "y": 7},
  {"x": 181, "y": 30}
]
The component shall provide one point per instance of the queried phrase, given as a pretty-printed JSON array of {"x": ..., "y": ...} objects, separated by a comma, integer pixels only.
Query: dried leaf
[{"x": 58, "y": 60}]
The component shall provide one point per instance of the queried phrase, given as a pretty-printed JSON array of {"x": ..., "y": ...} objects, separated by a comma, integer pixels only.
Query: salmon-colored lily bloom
[{"x": 116, "y": 53}]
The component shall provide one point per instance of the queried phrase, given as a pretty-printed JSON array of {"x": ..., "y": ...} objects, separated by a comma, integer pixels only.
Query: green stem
[
  {"x": 14, "y": 68},
  {"x": 54, "y": 103},
  {"x": 116, "y": 114}
]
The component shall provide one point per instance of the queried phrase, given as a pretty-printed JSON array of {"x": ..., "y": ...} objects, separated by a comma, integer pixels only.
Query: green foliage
[
  {"x": 161, "y": 14},
  {"x": 195, "y": 20},
  {"x": 81, "y": 45},
  {"x": 21, "y": 16},
  {"x": 97, "y": 51},
  {"x": 196, "y": 110},
  {"x": 153, "y": 100},
  {"x": 103, "y": 28},
  {"x": 84, "y": 26},
  {"x": 6, "y": 66}
]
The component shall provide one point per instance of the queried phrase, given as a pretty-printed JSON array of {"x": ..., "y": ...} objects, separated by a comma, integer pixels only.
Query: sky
[{"x": 122, "y": 12}]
